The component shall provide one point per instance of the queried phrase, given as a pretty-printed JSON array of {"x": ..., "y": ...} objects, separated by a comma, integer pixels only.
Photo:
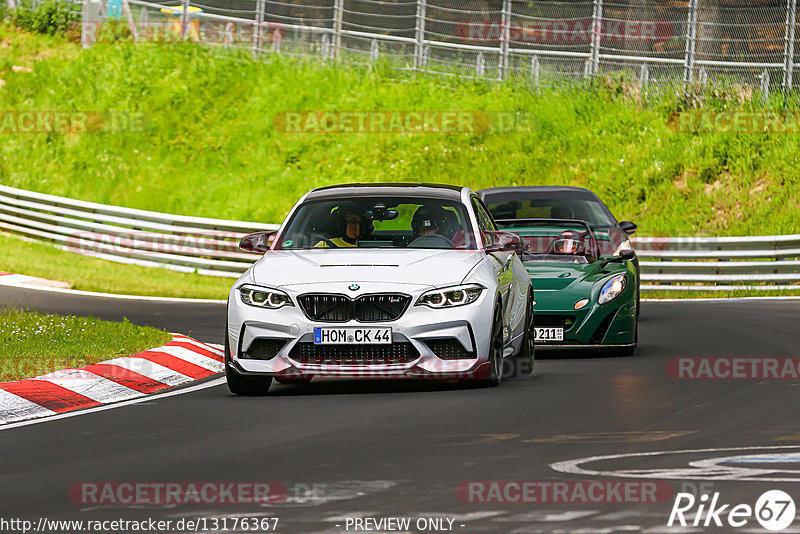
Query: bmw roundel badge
[{"x": 354, "y": 287}]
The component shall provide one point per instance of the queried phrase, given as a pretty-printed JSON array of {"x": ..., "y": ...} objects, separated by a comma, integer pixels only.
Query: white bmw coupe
[{"x": 381, "y": 280}]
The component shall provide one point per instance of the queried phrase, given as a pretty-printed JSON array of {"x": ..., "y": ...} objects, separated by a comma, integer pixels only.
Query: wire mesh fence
[{"x": 542, "y": 42}]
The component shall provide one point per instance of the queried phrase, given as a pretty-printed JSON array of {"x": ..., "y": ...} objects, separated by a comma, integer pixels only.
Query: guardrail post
[
  {"x": 597, "y": 34},
  {"x": 480, "y": 65},
  {"x": 505, "y": 25},
  {"x": 257, "y": 28},
  {"x": 184, "y": 18},
  {"x": 691, "y": 38},
  {"x": 338, "y": 13},
  {"x": 644, "y": 76},
  {"x": 419, "y": 34},
  {"x": 788, "y": 45},
  {"x": 325, "y": 46}
]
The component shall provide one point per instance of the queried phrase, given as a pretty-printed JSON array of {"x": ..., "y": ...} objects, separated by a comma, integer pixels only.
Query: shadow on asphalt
[{"x": 344, "y": 386}]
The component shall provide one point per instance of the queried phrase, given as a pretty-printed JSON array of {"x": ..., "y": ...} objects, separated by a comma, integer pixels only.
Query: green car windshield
[{"x": 558, "y": 241}]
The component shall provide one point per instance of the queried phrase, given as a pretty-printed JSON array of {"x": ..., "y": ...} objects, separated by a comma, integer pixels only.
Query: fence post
[
  {"x": 597, "y": 31},
  {"x": 505, "y": 25},
  {"x": 644, "y": 76},
  {"x": 257, "y": 28},
  {"x": 184, "y": 18},
  {"x": 374, "y": 50},
  {"x": 691, "y": 37},
  {"x": 92, "y": 15},
  {"x": 765, "y": 85},
  {"x": 788, "y": 45},
  {"x": 419, "y": 34},
  {"x": 11, "y": 4},
  {"x": 480, "y": 65},
  {"x": 338, "y": 13},
  {"x": 535, "y": 70},
  {"x": 126, "y": 10}
]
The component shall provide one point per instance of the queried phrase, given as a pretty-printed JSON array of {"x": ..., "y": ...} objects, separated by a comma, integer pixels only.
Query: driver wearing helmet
[
  {"x": 348, "y": 223},
  {"x": 428, "y": 221},
  {"x": 569, "y": 242}
]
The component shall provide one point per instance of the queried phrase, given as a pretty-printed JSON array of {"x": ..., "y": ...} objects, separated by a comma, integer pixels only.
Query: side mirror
[
  {"x": 497, "y": 241},
  {"x": 623, "y": 255},
  {"x": 628, "y": 227},
  {"x": 258, "y": 242}
]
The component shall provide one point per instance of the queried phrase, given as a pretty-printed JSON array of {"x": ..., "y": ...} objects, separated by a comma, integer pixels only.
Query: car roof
[
  {"x": 444, "y": 191},
  {"x": 579, "y": 191}
]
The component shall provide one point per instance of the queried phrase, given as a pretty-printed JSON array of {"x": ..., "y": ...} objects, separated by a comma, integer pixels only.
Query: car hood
[
  {"x": 560, "y": 275},
  {"x": 419, "y": 267}
]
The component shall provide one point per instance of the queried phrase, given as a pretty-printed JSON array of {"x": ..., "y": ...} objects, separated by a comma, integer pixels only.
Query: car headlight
[
  {"x": 450, "y": 296},
  {"x": 263, "y": 297},
  {"x": 625, "y": 245},
  {"x": 612, "y": 288}
]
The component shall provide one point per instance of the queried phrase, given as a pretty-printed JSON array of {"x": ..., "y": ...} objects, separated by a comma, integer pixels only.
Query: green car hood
[{"x": 558, "y": 285}]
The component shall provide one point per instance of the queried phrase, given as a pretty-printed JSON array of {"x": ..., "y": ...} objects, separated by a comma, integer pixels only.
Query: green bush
[{"x": 51, "y": 18}]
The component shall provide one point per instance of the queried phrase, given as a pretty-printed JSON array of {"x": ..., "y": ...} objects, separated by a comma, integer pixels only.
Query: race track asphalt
[{"x": 389, "y": 449}]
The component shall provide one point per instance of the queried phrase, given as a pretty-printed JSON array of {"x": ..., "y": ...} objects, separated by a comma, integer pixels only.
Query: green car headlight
[
  {"x": 263, "y": 297},
  {"x": 612, "y": 288},
  {"x": 450, "y": 297}
]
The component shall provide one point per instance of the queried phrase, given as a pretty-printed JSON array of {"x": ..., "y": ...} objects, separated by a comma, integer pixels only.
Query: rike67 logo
[{"x": 774, "y": 510}]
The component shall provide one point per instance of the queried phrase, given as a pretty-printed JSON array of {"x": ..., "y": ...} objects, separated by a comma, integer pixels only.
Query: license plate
[
  {"x": 548, "y": 334},
  {"x": 353, "y": 336}
]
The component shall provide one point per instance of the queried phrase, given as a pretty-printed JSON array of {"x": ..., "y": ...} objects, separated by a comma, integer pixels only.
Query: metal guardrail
[
  {"x": 209, "y": 246},
  {"x": 719, "y": 263},
  {"x": 147, "y": 238}
]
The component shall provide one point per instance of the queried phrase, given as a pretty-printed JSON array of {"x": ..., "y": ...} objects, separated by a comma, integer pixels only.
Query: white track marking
[
  {"x": 150, "y": 370},
  {"x": 682, "y": 473},
  {"x": 146, "y": 398},
  {"x": 189, "y": 356},
  {"x": 79, "y": 292},
  {"x": 223, "y": 301},
  {"x": 15, "y": 408},
  {"x": 90, "y": 385}
]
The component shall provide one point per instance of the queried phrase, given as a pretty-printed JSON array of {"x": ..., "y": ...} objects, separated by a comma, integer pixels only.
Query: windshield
[
  {"x": 379, "y": 222},
  {"x": 549, "y": 240},
  {"x": 549, "y": 205}
]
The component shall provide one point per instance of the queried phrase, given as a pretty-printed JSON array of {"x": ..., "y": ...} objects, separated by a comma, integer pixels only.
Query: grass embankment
[
  {"x": 211, "y": 148},
  {"x": 33, "y": 344}
]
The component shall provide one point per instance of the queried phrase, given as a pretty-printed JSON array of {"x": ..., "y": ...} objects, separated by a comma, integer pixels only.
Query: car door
[{"x": 505, "y": 272}]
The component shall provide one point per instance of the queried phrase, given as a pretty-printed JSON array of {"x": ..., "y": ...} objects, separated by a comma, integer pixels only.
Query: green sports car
[
  {"x": 583, "y": 299},
  {"x": 584, "y": 271}
]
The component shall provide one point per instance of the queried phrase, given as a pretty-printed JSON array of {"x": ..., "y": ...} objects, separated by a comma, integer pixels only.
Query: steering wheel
[
  {"x": 325, "y": 240},
  {"x": 431, "y": 241}
]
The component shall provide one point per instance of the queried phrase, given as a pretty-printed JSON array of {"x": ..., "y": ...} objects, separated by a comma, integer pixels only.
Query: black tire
[
  {"x": 293, "y": 380},
  {"x": 240, "y": 384},
  {"x": 525, "y": 359},
  {"x": 495, "y": 375}
]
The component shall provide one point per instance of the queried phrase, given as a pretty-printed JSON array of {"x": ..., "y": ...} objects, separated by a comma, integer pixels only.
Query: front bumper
[
  {"x": 289, "y": 328},
  {"x": 611, "y": 324}
]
